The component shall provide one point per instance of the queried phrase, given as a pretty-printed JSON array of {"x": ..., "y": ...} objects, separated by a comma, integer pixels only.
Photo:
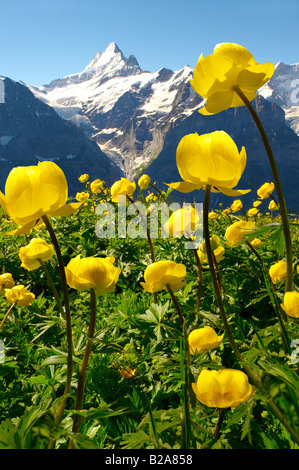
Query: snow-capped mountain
[
  {"x": 283, "y": 89},
  {"x": 124, "y": 109}
]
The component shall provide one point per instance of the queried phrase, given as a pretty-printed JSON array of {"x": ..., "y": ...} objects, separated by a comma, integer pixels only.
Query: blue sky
[{"x": 43, "y": 40}]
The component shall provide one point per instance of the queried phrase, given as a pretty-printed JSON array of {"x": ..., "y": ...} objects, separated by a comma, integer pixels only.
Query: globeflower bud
[
  {"x": 6, "y": 281},
  {"x": 144, "y": 182},
  {"x": 237, "y": 231},
  {"x": 203, "y": 339},
  {"x": 278, "y": 271},
  {"x": 291, "y": 303},
  {"x": 19, "y": 295},
  {"x": 159, "y": 274},
  {"x": 38, "y": 249},
  {"x": 265, "y": 190}
]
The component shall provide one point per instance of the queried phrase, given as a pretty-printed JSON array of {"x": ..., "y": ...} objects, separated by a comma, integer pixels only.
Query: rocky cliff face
[{"x": 31, "y": 131}]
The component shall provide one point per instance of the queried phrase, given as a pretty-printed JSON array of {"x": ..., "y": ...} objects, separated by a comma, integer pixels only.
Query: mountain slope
[{"x": 31, "y": 131}]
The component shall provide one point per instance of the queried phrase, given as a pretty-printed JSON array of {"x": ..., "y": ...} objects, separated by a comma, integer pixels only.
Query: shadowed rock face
[{"x": 31, "y": 131}]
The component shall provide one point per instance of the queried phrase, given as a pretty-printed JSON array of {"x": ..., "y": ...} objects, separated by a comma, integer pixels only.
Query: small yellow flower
[
  {"x": 278, "y": 271},
  {"x": 256, "y": 242},
  {"x": 83, "y": 178},
  {"x": 182, "y": 222},
  {"x": 203, "y": 339},
  {"x": 122, "y": 187},
  {"x": 6, "y": 281},
  {"x": 216, "y": 246},
  {"x": 223, "y": 388},
  {"x": 37, "y": 249},
  {"x": 273, "y": 206},
  {"x": 237, "y": 231},
  {"x": 159, "y": 274},
  {"x": 257, "y": 203},
  {"x": 82, "y": 196},
  {"x": 97, "y": 186},
  {"x": 127, "y": 372},
  {"x": 213, "y": 215},
  {"x": 144, "y": 182},
  {"x": 291, "y": 304},
  {"x": 19, "y": 295},
  {"x": 252, "y": 212},
  {"x": 236, "y": 205},
  {"x": 265, "y": 190}
]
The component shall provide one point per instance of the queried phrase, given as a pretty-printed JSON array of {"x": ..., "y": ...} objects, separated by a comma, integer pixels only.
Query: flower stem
[
  {"x": 58, "y": 415},
  {"x": 53, "y": 288},
  {"x": 185, "y": 365},
  {"x": 281, "y": 199},
  {"x": 220, "y": 420},
  {"x": 215, "y": 281},
  {"x": 148, "y": 236},
  {"x": 7, "y": 314},
  {"x": 276, "y": 305},
  {"x": 83, "y": 368}
]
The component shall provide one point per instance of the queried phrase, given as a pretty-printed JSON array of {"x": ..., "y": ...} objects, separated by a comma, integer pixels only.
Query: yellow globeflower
[
  {"x": 99, "y": 274},
  {"x": 291, "y": 304},
  {"x": 127, "y": 372},
  {"x": 237, "y": 231},
  {"x": 144, "y": 182},
  {"x": 213, "y": 215},
  {"x": 216, "y": 246},
  {"x": 203, "y": 339},
  {"x": 6, "y": 281},
  {"x": 182, "y": 222},
  {"x": 256, "y": 242},
  {"x": 122, "y": 187},
  {"x": 229, "y": 66},
  {"x": 273, "y": 206},
  {"x": 34, "y": 191},
  {"x": 160, "y": 273},
  {"x": 257, "y": 203},
  {"x": 252, "y": 212},
  {"x": 97, "y": 186},
  {"x": 83, "y": 178},
  {"x": 19, "y": 295},
  {"x": 210, "y": 159},
  {"x": 38, "y": 249},
  {"x": 278, "y": 271},
  {"x": 222, "y": 388},
  {"x": 82, "y": 196},
  {"x": 236, "y": 205},
  {"x": 265, "y": 190}
]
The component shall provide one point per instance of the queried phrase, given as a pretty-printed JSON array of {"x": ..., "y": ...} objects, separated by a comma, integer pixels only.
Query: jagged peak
[{"x": 101, "y": 59}]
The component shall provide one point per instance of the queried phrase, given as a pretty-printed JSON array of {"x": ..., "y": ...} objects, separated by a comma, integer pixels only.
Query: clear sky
[{"x": 41, "y": 40}]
